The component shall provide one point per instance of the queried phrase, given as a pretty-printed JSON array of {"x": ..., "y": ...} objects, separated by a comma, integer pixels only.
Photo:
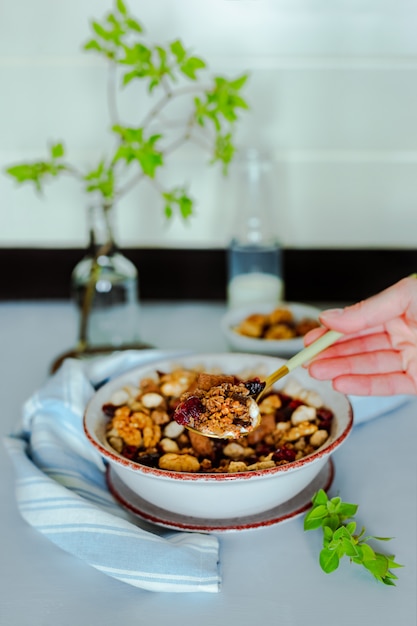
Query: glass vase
[{"x": 104, "y": 287}]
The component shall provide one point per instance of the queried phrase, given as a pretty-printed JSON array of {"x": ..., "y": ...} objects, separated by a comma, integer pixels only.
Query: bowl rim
[{"x": 117, "y": 459}]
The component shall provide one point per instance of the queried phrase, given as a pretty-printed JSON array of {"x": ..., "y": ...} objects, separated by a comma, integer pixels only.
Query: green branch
[
  {"x": 340, "y": 539},
  {"x": 213, "y": 106}
]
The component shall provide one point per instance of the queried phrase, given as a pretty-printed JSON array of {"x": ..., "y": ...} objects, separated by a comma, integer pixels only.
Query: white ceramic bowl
[
  {"x": 218, "y": 496},
  {"x": 276, "y": 347}
]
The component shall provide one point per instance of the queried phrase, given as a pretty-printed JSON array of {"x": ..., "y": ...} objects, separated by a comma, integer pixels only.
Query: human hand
[{"x": 378, "y": 355}]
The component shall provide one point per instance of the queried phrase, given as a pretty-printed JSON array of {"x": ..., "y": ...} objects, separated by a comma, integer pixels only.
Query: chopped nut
[
  {"x": 292, "y": 388},
  {"x": 301, "y": 443},
  {"x": 311, "y": 398},
  {"x": 318, "y": 438},
  {"x": 168, "y": 445},
  {"x": 148, "y": 385},
  {"x": 177, "y": 383},
  {"x": 151, "y": 400},
  {"x": 119, "y": 397},
  {"x": 201, "y": 445},
  {"x": 237, "y": 466},
  {"x": 302, "y": 430},
  {"x": 151, "y": 435},
  {"x": 122, "y": 424},
  {"x": 173, "y": 430},
  {"x": 116, "y": 443},
  {"x": 160, "y": 417},
  {"x": 303, "y": 413},
  {"x": 270, "y": 404},
  {"x": 234, "y": 450},
  {"x": 207, "y": 381},
  {"x": 266, "y": 426},
  {"x": 179, "y": 462},
  {"x": 260, "y": 465}
]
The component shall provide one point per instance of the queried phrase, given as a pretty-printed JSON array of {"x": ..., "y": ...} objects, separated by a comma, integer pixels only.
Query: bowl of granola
[
  {"x": 129, "y": 421},
  {"x": 264, "y": 329}
]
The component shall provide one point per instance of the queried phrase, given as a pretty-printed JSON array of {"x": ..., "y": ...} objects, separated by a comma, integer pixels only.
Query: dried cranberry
[
  {"x": 285, "y": 400},
  {"x": 284, "y": 454},
  {"x": 286, "y": 411},
  {"x": 188, "y": 411},
  {"x": 324, "y": 417},
  {"x": 255, "y": 386},
  {"x": 150, "y": 460},
  {"x": 129, "y": 451},
  {"x": 109, "y": 409},
  {"x": 263, "y": 449},
  {"x": 325, "y": 414}
]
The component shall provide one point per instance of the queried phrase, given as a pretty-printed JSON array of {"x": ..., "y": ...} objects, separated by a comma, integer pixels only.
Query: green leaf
[
  {"x": 134, "y": 147},
  {"x": 332, "y": 521},
  {"x": 178, "y": 50},
  {"x": 349, "y": 548},
  {"x": 378, "y": 566},
  {"x": 335, "y": 502},
  {"x": 327, "y": 533},
  {"x": 314, "y": 517},
  {"x": 39, "y": 172},
  {"x": 177, "y": 197},
  {"x": 57, "y": 151},
  {"x": 351, "y": 527},
  {"x": 93, "y": 45},
  {"x": 347, "y": 510},
  {"x": 186, "y": 206},
  {"x": 329, "y": 560},
  {"x": 134, "y": 25},
  {"x": 101, "y": 180},
  {"x": 101, "y": 32},
  {"x": 320, "y": 497},
  {"x": 238, "y": 83},
  {"x": 191, "y": 66},
  {"x": 367, "y": 553},
  {"x": 341, "y": 532},
  {"x": 121, "y": 7},
  {"x": 22, "y": 172}
]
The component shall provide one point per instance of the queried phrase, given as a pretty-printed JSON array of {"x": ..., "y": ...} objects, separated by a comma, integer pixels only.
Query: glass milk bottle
[{"x": 254, "y": 254}]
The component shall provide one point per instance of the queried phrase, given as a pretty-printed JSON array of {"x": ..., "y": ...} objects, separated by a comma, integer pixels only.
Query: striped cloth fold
[{"x": 61, "y": 489}]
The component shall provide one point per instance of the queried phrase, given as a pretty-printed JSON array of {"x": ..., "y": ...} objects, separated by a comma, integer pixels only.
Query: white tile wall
[{"x": 333, "y": 94}]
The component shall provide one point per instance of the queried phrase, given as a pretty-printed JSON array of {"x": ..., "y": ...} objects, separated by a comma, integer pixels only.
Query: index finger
[{"x": 393, "y": 302}]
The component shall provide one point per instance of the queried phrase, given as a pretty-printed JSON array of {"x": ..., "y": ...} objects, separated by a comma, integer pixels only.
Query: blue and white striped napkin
[{"x": 61, "y": 489}]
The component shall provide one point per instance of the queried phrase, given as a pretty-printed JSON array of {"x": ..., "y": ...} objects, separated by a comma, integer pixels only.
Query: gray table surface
[{"x": 270, "y": 575}]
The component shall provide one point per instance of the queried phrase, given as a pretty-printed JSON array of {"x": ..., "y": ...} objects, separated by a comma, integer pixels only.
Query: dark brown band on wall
[{"x": 325, "y": 275}]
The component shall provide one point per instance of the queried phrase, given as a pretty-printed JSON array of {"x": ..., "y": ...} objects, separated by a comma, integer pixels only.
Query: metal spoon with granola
[{"x": 220, "y": 406}]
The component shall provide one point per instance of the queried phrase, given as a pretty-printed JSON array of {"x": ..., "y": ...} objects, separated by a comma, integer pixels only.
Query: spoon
[
  {"x": 188, "y": 412},
  {"x": 306, "y": 354}
]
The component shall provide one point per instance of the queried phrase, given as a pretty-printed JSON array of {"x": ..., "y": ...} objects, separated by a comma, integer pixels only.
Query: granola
[
  {"x": 278, "y": 324},
  {"x": 141, "y": 427},
  {"x": 219, "y": 406}
]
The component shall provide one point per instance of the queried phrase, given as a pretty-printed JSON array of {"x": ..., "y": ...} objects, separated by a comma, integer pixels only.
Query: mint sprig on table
[{"x": 339, "y": 538}]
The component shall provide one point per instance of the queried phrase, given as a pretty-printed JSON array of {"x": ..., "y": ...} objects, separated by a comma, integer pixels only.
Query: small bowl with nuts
[
  {"x": 264, "y": 329},
  {"x": 129, "y": 421}
]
